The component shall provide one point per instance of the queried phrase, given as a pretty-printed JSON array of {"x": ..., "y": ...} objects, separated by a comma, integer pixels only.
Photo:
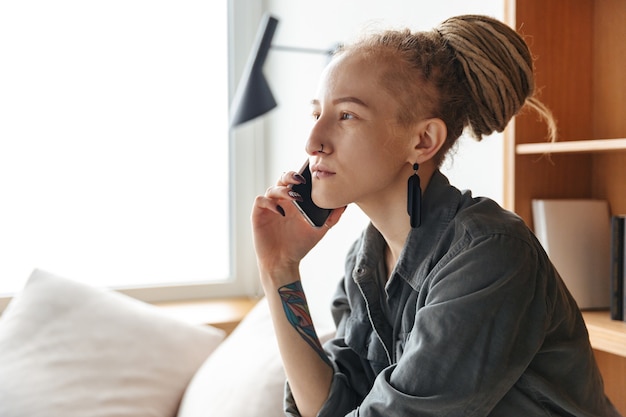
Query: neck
[{"x": 391, "y": 219}]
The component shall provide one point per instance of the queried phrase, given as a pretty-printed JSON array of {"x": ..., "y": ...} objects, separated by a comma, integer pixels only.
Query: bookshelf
[
  {"x": 580, "y": 56},
  {"x": 596, "y": 145},
  {"x": 606, "y": 335}
]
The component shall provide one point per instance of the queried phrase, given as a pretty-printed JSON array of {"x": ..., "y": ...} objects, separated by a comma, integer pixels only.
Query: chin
[
  {"x": 323, "y": 202},
  {"x": 327, "y": 203},
  {"x": 328, "y": 197}
]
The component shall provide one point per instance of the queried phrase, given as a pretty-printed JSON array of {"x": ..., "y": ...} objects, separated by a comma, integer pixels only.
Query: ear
[{"x": 429, "y": 137}]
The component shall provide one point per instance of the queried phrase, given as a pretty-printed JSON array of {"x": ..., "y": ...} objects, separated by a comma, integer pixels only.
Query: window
[{"x": 114, "y": 145}]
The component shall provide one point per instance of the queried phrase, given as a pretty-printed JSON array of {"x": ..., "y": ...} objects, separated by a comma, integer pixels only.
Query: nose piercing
[{"x": 321, "y": 149}]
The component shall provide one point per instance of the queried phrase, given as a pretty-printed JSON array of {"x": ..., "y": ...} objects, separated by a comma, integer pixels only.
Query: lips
[{"x": 319, "y": 171}]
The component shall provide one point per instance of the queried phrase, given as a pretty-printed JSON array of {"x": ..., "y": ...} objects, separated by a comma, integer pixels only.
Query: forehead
[{"x": 353, "y": 74}]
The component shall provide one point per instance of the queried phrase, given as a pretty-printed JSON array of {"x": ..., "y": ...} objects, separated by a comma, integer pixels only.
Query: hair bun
[{"x": 497, "y": 65}]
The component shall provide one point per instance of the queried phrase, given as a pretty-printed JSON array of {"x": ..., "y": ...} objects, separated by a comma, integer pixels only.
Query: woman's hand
[{"x": 282, "y": 236}]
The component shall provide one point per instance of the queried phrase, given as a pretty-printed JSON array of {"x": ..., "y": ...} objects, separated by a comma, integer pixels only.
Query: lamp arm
[{"x": 303, "y": 50}]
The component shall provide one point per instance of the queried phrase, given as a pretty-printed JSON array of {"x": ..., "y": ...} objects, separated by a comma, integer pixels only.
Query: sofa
[{"x": 68, "y": 349}]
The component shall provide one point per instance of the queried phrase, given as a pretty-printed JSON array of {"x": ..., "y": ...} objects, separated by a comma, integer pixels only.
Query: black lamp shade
[{"x": 253, "y": 96}]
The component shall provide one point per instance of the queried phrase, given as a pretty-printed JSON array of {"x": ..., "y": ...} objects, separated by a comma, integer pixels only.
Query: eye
[
  {"x": 346, "y": 116},
  {"x": 315, "y": 115}
]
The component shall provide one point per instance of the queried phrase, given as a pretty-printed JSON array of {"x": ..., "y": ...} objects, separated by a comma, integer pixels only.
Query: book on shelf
[
  {"x": 576, "y": 235},
  {"x": 618, "y": 273}
]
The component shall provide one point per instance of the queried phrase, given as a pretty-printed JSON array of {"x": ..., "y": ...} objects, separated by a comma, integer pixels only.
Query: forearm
[{"x": 307, "y": 367}]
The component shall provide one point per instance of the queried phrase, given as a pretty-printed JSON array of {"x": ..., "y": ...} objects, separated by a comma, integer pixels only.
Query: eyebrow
[{"x": 348, "y": 99}]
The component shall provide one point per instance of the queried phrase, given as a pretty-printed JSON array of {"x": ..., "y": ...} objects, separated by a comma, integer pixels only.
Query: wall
[{"x": 293, "y": 77}]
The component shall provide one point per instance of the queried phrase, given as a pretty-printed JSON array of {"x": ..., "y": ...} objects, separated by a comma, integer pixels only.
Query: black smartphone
[{"x": 315, "y": 215}]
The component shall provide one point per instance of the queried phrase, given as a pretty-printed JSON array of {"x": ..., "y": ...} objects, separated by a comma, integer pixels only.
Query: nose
[
  {"x": 313, "y": 146},
  {"x": 317, "y": 143},
  {"x": 312, "y": 150}
]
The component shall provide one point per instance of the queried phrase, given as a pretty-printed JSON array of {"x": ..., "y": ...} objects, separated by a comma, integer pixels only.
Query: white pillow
[
  {"x": 244, "y": 376},
  {"x": 68, "y": 349}
]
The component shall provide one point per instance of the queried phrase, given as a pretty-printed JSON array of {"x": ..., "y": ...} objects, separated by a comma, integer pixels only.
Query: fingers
[
  {"x": 292, "y": 177},
  {"x": 263, "y": 202},
  {"x": 282, "y": 190}
]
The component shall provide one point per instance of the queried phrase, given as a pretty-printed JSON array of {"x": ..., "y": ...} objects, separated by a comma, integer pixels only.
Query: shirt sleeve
[{"x": 481, "y": 318}]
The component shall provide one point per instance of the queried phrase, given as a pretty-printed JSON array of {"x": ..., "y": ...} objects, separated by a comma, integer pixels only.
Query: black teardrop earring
[{"x": 414, "y": 202}]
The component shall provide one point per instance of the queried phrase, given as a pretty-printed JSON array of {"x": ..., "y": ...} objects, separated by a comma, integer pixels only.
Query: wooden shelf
[
  {"x": 605, "y": 334},
  {"x": 579, "y": 68},
  {"x": 574, "y": 146}
]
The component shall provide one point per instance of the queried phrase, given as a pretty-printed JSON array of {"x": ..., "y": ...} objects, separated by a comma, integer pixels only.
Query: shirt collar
[{"x": 440, "y": 204}]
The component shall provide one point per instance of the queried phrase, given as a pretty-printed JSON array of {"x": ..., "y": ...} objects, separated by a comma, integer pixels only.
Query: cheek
[
  {"x": 383, "y": 159},
  {"x": 394, "y": 154},
  {"x": 396, "y": 142},
  {"x": 368, "y": 167}
]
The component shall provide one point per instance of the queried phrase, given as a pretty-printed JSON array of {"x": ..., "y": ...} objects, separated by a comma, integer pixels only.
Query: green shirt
[{"x": 474, "y": 321}]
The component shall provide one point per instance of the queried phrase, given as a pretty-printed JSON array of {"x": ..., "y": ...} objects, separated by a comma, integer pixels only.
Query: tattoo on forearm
[{"x": 298, "y": 315}]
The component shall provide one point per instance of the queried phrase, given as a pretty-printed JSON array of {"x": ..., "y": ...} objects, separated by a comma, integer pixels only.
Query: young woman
[{"x": 449, "y": 305}]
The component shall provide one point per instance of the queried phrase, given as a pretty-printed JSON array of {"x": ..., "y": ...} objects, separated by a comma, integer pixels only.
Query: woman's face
[{"x": 366, "y": 157}]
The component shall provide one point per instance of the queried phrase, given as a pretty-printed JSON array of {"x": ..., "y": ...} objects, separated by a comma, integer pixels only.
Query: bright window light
[{"x": 114, "y": 141}]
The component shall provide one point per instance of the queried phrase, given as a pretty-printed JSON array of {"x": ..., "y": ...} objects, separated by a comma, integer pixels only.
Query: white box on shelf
[{"x": 576, "y": 234}]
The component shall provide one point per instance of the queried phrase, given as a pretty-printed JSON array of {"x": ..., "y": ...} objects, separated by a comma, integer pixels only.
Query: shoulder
[
  {"x": 451, "y": 211},
  {"x": 480, "y": 217},
  {"x": 485, "y": 236},
  {"x": 485, "y": 250}
]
